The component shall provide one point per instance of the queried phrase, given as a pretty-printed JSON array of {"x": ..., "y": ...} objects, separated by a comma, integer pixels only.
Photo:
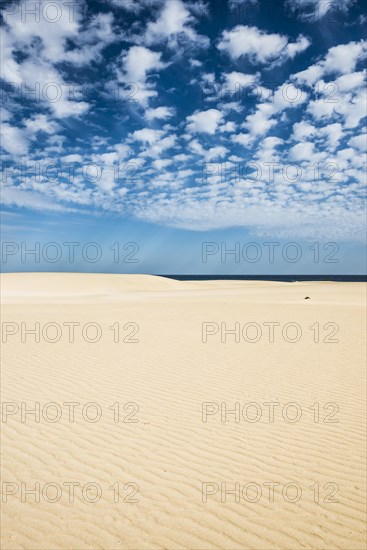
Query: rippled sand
[{"x": 164, "y": 470}]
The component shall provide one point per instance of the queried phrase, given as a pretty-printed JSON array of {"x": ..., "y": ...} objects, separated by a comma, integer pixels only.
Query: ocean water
[{"x": 282, "y": 278}]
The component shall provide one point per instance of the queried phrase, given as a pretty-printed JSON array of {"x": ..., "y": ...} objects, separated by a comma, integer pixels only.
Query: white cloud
[
  {"x": 236, "y": 79},
  {"x": 289, "y": 216},
  {"x": 340, "y": 59},
  {"x": 182, "y": 157},
  {"x": 159, "y": 113},
  {"x": 333, "y": 133},
  {"x": 185, "y": 173},
  {"x": 269, "y": 143},
  {"x": 135, "y": 6},
  {"x": 294, "y": 48},
  {"x": 138, "y": 62},
  {"x": 359, "y": 142},
  {"x": 75, "y": 157},
  {"x": 195, "y": 63},
  {"x": 41, "y": 123},
  {"x": 161, "y": 163},
  {"x": 216, "y": 152},
  {"x": 160, "y": 145},
  {"x": 261, "y": 121},
  {"x": 53, "y": 35},
  {"x": 92, "y": 40},
  {"x": 204, "y": 121},
  {"x": 12, "y": 195},
  {"x": 196, "y": 147},
  {"x": 37, "y": 78},
  {"x": 245, "y": 140},
  {"x": 5, "y": 115},
  {"x": 302, "y": 151},
  {"x": 234, "y": 3},
  {"x": 259, "y": 46},
  {"x": 32, "y": 54},
  {"x": 122, "y": 150},
  {"x": 303, "y": 130},
  {"x": 147, "y": 135},
  {"x": 310, "y": 75},
  {"x": 343, "y": 58},
  {"x": 173, "y": 22},
  {"x": 351, "y": 107},
  {"x": 53, "y": 26},
  {"x": 229, "y": 126},
  {"x": 14, "y": 140},
  {"x": 348, "y": 82},
  {"x": 312, "y": 10},
  {"x": 59, "y": 34},
  {"x": 286, "y": 96}
]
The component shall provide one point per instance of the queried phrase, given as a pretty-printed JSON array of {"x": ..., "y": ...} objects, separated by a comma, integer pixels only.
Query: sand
[{"x": 171, "y": 457}]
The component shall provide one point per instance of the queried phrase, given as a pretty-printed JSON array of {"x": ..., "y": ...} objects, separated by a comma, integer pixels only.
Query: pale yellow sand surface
[{"x": 160, "y": 448}]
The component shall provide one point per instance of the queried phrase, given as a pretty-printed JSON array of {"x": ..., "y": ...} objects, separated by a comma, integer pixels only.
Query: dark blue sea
[{"x": 282, "y": 278}]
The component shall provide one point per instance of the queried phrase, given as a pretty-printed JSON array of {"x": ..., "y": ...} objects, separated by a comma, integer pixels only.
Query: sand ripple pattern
[{"x": 170, "y": 452}]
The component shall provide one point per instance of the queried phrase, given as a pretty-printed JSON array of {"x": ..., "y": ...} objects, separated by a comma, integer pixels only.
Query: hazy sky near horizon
[{"x": 202, "y": 137}]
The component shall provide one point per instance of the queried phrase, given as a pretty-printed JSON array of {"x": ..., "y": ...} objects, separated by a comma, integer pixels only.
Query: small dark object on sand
[{"x": 307, "y": 298}]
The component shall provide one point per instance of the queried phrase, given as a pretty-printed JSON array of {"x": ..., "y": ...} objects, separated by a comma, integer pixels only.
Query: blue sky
[{"x": 172, "y": 124}]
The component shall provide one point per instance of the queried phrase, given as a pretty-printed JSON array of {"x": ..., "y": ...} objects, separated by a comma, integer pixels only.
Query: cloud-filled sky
[{"x": 185, "y": 121}]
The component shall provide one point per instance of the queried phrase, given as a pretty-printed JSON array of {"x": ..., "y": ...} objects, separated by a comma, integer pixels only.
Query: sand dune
[
  {"x": 54, "y": 285},
  {"x": 169, "y": 359}
]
